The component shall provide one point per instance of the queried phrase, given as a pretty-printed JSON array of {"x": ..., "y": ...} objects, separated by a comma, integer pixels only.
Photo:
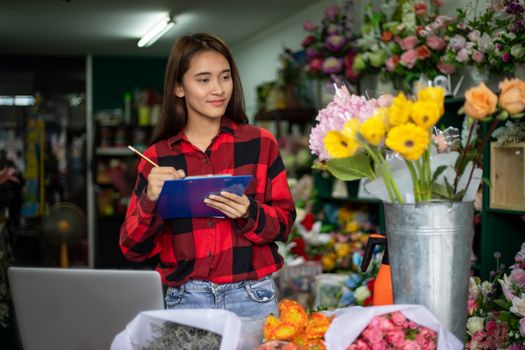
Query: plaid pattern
[{"x": 214, "y": 249}]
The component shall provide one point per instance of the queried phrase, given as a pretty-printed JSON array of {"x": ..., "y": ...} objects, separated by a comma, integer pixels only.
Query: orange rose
[
  {"x": 512, "y": 96},
  {"x": 480, "y": 102}
]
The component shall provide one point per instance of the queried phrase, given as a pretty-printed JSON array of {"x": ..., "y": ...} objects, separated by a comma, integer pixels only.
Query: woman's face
[{"x": 207, "y": 85}]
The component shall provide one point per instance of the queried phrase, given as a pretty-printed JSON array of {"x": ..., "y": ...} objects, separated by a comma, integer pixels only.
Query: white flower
[
  {"x": 475, "y": 324},
  {"x": 486, "y": 288},
  {"x": 518, "y": 305},
  {"x": 473, "y": 288},
  {"x": 361, "y": 293},
  {"x": 313, "y": 237}
]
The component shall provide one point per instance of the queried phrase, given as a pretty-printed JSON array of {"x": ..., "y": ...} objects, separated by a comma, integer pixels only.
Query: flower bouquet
[
  {"x": 330, "y": 47},
  {"x": 497, "y": 308}
]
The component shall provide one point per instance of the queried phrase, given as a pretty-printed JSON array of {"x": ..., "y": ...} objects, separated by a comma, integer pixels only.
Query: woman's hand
[
  {"x": 230, "y": 204},
  {"x": 156, "y": 179}
]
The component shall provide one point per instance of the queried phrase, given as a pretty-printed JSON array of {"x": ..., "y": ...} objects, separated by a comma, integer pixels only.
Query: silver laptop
[{"x": 79, "y": 309}]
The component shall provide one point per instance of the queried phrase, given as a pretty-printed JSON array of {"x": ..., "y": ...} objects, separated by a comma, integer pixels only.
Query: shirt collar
[{"x": 227, "y": 126}]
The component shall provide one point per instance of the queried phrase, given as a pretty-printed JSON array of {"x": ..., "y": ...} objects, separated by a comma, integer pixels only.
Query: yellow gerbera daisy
[
  {"x": 425, "y": 113},
  {"x": 342, "y": 144},
  {"x": 373, "y": 130},
  {"x": 435, "y": 94},
  {"x": 409, "y": 140},
  {"x": 399, "y": 111}
]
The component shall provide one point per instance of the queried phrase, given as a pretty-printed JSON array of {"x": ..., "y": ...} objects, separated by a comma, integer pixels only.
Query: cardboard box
[{"x": 507, "y": 176}]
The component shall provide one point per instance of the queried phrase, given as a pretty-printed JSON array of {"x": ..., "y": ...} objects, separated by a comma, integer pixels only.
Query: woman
[{"x": 209, "y": 262}]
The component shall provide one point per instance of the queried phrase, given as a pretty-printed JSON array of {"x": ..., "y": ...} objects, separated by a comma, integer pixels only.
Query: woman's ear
[{"x": 179, "y": 91}]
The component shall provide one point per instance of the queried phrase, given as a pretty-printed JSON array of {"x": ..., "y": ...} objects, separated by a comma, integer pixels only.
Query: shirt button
[
  {"x": 209, "y": 254},
  {"x": 211, "y": 222}
]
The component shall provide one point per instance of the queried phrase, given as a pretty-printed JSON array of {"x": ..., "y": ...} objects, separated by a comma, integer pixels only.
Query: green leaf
[
  {"x": 440, "y": 191},
  {"x": 461, "y": 110},
  {"x": 350, "y": 168},
  {"x": 487, "y": 182},
  {"x": 517, "y": 116},
  {"x": 504, "y": 115},
  {"x": 439, "y": 170}
]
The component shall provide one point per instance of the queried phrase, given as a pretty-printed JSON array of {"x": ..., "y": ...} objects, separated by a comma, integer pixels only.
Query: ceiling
[{"x": 113, "y": 27}]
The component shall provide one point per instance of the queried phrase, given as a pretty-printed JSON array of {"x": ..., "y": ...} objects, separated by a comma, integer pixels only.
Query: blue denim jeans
[{"x": 252, "y": 299}]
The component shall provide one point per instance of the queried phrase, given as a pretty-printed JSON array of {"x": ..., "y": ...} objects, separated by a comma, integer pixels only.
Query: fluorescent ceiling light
[
  {"x": 157, "y": 31},
  {"x": 18, "y": 100}
]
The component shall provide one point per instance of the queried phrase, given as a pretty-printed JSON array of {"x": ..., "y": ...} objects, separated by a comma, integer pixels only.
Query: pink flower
[
  {"x": 386, "y": 325},
  {"x": 392, "y": 62},
  {"x": 409, "y": 58},
  {"x": 420, "y": 8},
  {"x": 382, "y": 345},
  {"x": 446, "y": 68},
  {"x": 436, "y": 43},
  {"x": 408, "y": 43},
  {"x": 373, "y": 335},
  {"x": 362, "y": 345},
  {"x": 376, "y": 321},
  {"x": 411, "y": 345},
  {"x": 457, "y": 42},
  {"x": 463, "y": 55},
  {"x": 422, "y": 341},
  {"x": 332, "y": 12},
  {"x": 385, "y": 100},
  {"x": 474, "y": 35},
  {"x": 518, "y": 277},
  {"x": 396, "y": 338},
  {"x": 472, "y": 305},
  {"x": 505, "y": 57},
  {"x": 308, "y": 26},
  {"x": 334, "y": 28},
  {"x": 316, "y": 64},
  {"x": 412, "y": 325},
  {"x": 312, "y": 53},
  {"x": 478, "y": 56},
  {"x": 398, "y": 318}
]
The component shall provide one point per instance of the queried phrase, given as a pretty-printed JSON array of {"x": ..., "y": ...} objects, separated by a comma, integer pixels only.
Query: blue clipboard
[{"x": 184, "y": 198}]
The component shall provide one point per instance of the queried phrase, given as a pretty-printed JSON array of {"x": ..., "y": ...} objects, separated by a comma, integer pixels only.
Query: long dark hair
[{"x": 174, "y": 115}]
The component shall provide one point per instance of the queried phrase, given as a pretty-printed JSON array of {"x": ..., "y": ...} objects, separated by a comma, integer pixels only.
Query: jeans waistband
[{"x": 204, "y": 286}]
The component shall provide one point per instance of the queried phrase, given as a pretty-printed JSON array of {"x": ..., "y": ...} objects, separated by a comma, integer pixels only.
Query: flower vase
[{"x": 429, "y": 247}]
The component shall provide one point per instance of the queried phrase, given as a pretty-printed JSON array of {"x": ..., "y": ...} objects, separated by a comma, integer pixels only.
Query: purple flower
[
  {"x": 505, "y": 57},
  {"x": 312, "y": 53},
  {"x": 332, "y": 65},
  {"x": 516, "y": 346},
  {"x": 335, "y": 42},
  {"x": 332, "y": 12}
]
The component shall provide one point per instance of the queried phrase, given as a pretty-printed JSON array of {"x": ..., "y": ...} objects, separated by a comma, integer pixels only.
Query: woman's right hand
[{"x": 156, "y": 179}]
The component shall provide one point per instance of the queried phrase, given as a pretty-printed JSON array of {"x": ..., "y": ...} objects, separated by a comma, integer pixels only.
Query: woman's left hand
[{"x": 230, "y": 204}]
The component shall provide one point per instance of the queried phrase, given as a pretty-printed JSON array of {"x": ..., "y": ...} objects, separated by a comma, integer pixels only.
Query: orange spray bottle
[{"x": 383, "y": 284}]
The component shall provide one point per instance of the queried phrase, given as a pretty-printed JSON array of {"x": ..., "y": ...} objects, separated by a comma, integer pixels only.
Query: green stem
[
  {"x": 390, "y": 184},
  {"x": 415, "y": 182}
]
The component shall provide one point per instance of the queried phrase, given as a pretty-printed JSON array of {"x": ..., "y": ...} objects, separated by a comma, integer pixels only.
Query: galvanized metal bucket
[{"x": 429, "y": 246}]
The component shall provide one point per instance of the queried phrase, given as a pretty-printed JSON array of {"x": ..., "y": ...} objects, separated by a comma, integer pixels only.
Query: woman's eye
[
  {"x": 203, "y": 80},
  {"x": 226, "y": 77}
]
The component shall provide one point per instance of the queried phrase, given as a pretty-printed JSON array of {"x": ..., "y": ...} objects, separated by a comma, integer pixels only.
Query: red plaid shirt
[{"x": 214, "y": 249}]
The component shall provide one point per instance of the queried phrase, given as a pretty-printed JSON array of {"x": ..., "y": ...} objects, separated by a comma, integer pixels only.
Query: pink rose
[
  {"x": 409, "y": 58},
  {"x": 308, "y": 26},
  {"x": 436, "y": 43},
  {"x": 420, "y": 8},
  {"x": 316, "y": 64},
  {"x": 518, "y": 277},
  {"x": 412, "y": 325},
  {"x": 362, "y": 345},
  {"x": 446, "y": 68},
  {"x": 373, "y": 335},
  {"x": 396, "y": 338},
  {"x": 398, "y": 318},
  {"x": 408, "y": 43},
  {"x": 392, "y": 62},
  {"x": 478, "y": 56},
  {"x": 474, "y": 35},
  {"x": 376, "y": 321},
  {"x": 463, "y": 55},
  {"x": 422, "y": 341},
  {"x": 411, "y": 345},
  {"x": 382, "y": 345}
]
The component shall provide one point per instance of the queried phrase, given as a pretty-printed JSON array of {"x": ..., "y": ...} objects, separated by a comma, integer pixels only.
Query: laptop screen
[{"x": 79, "y": 308}]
